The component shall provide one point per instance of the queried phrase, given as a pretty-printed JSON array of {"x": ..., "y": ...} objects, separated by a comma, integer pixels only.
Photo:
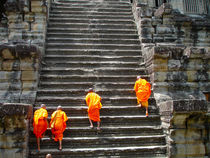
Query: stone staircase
[{"x": 95, "y": 44}]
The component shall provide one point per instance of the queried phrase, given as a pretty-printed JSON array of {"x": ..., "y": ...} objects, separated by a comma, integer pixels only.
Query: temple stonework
[{"x": 172, "y": 42}]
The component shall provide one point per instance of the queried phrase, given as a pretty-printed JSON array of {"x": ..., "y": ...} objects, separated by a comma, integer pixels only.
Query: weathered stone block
[
  {"x": 29, "y": 85},
  {"x": 8, "y": 54},
  {"x": 28, "y": 97},
  {"x": 29, "y": 66},
  {"x": 10, "y": 76},
  {"x": 160, "y": 64},
  {"x": 174, "y": 65},
  {"x": 165, "y": 29},
  {"x": 29, "y": 75}
]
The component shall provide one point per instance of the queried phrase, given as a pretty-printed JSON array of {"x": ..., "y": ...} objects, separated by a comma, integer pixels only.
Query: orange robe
[
  {"x": 60, "y": 119},
  {"x": 143, "y": 91},
  {"x": 40, "y": 122},
  {"x": 93, "y": 101}
]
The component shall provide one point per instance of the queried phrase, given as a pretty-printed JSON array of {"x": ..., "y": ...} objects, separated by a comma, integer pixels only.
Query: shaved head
[
  {"x": 48, "y": 156},
  {"x": 90, "y": 90},
  {"x": 59, "y": 107},
  {"x": 138, "y": 77},
  {"x": 43, "y": 106}
]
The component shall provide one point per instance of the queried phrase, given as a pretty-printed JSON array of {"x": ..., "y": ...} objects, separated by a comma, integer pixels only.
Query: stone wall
[
  {"x": 19, "y": 73},
  {"x": 180, "y": 76},
  {"x": 14, "y": 129},
  {"x": 176, "y": 50},
  {"x": 165, "y": 26},
  {"x": 22, "y": 46}
]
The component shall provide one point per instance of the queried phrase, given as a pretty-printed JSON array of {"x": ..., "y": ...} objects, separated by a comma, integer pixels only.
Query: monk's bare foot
[
  {"x": 98, "y": 128},
  {"x": 147, "y": 115},
  {"x": 60, "y": 149},
  {"x": 91, "y": 126},
  {"x": 139, "y": 105}
]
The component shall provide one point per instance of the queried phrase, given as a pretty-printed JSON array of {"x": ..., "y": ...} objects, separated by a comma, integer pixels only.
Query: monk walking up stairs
[{"x": 94, "y": 43}]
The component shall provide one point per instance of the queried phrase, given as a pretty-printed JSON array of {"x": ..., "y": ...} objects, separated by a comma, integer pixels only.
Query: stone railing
[
  {"x": 180, "y": 76},
  {"x": 14, "y": 130},
  {"x": 19, "y": 73}
]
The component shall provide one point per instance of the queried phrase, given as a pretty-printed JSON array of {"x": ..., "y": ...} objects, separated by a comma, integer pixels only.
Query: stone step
[
  {"x": 125, "y": 120},
  {"x": 92, "y": 36},
  {"x": 101, "y": 8},
  {"x": 151, "y": 151},
  {"x": 91, "y": 26},
  {"x": 93, "y": 78},
  {"x": 97, "y": 40},
  {"x": 96, "y": 1},
  {"x": 92, "y": 52},
  {"x": 78, "y": 110},
  {"x": 91, "y": 21},
  {"x": 106, "y": 13},
  {"x": 95, "y": 71},
  {"x": 91, "y": 16},
  {"x": 87, "y": 64},
  {"x": 136, "y": 130},
  {"x": 89, "y": 57},
  {"x": 101, "y": 141},
  {"x": 115, "y": 101},
  {"x": 100, "y": 32},
  {"x": 99, "y": 86},
  {"x": 92, "y": 4}
]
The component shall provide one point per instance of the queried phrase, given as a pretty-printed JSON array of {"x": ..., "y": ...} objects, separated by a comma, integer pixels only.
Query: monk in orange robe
[
  {"x": 143, "y": 92},
  {"x": 58, "y": 125},
  {"x": 93, "y": 102},
  {"x": 40, "y": 123}
]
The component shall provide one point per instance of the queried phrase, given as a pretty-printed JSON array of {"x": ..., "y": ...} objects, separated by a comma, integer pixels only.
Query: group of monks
[{"x": 93, "y": 101}]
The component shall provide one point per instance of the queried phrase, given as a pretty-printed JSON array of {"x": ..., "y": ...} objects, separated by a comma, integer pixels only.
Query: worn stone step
[
  {"x": 92, "y": 52},
  {"x": 91, "y": 9},
  {"x": 92, "y": 12},
  {"x": 95, "y": 71},
  {"x": 106, "y": 110},
  {"x": 93, "y": 36},
  {"x": 106, "y": 151},
  {"x": 93, "y": 78},
  {"x": 75, "y": 64},
  {"x": 99, "y": 86},
  {"x": 91, "y": 26},
  {"x": 97, "y": 31},
  {"x": 122, "y": 130},
  {"x": 91, "y": 16},
  {"x": 89, "y": 57},
  {"x": 104, "y": 1},
  {"x": 96, "y": 40},
  {"x": 91, "y": 21},
  {"x": 92, "y": 4},
  {"x": 118, "y": 101},
  {"x": 101, "y": 141}
]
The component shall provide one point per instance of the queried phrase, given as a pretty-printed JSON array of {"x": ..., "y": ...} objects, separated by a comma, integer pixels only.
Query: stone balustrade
[{"x": 14, "y": 129}]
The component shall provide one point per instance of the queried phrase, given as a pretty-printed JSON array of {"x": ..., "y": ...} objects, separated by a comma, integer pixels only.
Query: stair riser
[
  {"x": 90, "y": 41},
  {"x": 96, "y": 9},
  {"x": 91, "y": 26},
  {"x": 99, "y": 32},
  {"x": 130, "y": 38},
  {"x": 106, "y": 112},
  {"x": 115, "y": 102},
  {"x": 85, "y": 143},
  {"x": 89, "y": 58},
  {"x": 94, "y": 52},
  {"x": 92, "y": 5},
  {"x": 93, "y": 65},
  {"x": 92, "y": 16},
  {"x": 89, "y": 21}
]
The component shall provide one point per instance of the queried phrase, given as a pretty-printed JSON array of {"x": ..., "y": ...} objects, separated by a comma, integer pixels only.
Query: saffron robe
[
  {"x": 60, "y": 119},
  {"x": 40, "y": 122},
  {"x": 143, "y": 91},
  {"x": 93, "y": 101}
]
